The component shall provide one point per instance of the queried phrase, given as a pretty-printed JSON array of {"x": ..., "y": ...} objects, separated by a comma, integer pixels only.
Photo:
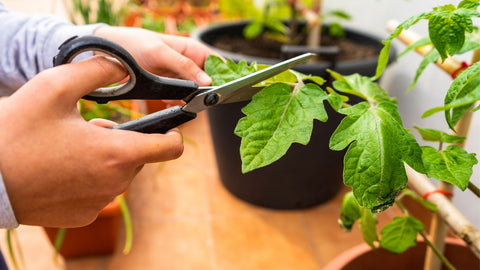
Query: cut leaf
[
  {"x": 453, "y": 165},
  {"x": 400, "y": 234},
  {"x": 276, "y": 118}
]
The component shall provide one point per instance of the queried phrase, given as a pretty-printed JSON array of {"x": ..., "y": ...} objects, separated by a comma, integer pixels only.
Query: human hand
[
  {"x": 58, "y": 169},
  {"x": 165, "y": 55}
]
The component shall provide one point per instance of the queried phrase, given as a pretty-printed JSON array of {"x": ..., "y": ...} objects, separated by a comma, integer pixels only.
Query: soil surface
[{"x": 268, "y": 48}]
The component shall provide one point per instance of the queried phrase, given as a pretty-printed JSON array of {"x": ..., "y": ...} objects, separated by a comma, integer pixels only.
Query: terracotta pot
[
  {"x": 98, "y": 238},
  {"x": 362, "y": 257}
]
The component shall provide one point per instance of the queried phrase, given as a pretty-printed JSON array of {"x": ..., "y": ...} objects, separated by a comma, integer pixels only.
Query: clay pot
[{"x": 362, "y": 257}]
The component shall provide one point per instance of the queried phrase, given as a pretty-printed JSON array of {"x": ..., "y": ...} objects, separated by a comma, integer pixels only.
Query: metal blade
[{"x": 242, "y": 87}]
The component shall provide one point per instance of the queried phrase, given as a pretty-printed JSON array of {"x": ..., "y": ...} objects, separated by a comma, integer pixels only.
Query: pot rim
[
  {"x": 345, "y": 257},
  {"x": 198, "y": 33}
]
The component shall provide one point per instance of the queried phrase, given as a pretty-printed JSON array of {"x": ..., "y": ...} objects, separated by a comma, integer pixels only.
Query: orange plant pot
[
  {"x": 98, "y": 238},
  {"x": 362, "y": 257}
]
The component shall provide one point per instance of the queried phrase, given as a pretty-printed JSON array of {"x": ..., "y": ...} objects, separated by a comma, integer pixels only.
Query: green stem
[
  {"x": 11, "y": 250},
  {"x": 473, "y": 188},
  {"x": 128, "y": 224},
  {"x": 437, "y": 252},
  {"x": 59, "y": 238}
]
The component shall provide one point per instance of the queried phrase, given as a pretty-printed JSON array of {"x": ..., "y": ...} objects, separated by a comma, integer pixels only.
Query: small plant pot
[
  {"x": 307, "y": 175},
  {"x": 362, "y": 257},
  {"x": 98, "y": 238}
]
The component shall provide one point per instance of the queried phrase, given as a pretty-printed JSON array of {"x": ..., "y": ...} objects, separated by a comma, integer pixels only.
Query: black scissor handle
[{"x": 141, "y": 84}]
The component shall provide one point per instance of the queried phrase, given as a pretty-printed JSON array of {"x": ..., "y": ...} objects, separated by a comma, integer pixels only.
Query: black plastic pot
[{"x": 307, "y": 175}]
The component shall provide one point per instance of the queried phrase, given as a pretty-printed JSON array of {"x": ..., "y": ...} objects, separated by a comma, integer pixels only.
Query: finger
[
  {"x": 184, "y": 67},
  {"x": 72, "y": 81},
  {"x": 102, "y": 122},
  {"x": 149, "y": 148}
]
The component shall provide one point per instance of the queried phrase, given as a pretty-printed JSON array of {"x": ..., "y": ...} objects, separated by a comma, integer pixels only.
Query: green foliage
[
  {"x": 447, "y": 26},
  {"x": 400, "y": 234},
  {"x": 98, "y": 11},
  {"x": 433, "y": 135},
  {"x": 462, "y": 94},
  {"x": 378, "y": 144},
  {"x": 277, "y": 117},
  {"x": 351, "y": 212},
  {"x": 452, "y": 165}
]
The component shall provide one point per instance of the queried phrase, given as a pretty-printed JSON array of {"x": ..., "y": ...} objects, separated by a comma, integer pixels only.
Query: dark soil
[{"x": 268, "y": 48}]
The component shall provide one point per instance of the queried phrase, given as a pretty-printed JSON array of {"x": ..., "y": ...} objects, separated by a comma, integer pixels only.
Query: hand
[
  {"x": 165, "y": 55},
  {"x": 58, "y": 169}
]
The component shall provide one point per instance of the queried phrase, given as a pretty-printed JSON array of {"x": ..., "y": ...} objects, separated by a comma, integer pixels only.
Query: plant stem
[
  {"x": 437, "y": 252},
  {"x": 473, "y": 188},
  {"x": 460, "y": 225},
  {"x": 128, "y": 224},
  {"x": 59, "y": 242}
]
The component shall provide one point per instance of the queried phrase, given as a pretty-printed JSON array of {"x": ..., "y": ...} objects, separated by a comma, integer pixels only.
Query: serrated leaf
[
  {"x": 453, "y": 164},
  {"x": 276, "y": 118},
  {"x": 349, "y": 212},
  {"x": 384, "y": 53},
  {"x": 360, "y": 86},
  {"x": 222, "y": 72},
  {"x": 368, "y": 227},
  {"x": 462, "y": 94},
  {"x": 433, "y": 135},
  {"x": 446, "y": 28},
  {"x": 378, "y": 144},
  {"x": 400, "y": 234},
  {"x": 431, "y": 57}
]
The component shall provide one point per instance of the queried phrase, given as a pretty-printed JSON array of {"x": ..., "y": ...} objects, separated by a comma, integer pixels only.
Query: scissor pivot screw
[{"x": 211, "y": 99}]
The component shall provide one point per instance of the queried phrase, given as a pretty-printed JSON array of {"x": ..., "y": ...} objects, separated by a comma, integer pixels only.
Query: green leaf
[
  {"x": 384, "y": 53},
  {"x": 222, "y": 72},
  {"x": 400, "y": 234},
  {"x": 453, "y": 164},
  {"x": 462, "y": 94},
  {"x": 446, "y": 28},
  {"x": 368, "y": 226},
  {"x": 360, "y": 86},
  {"x": 276, "y": 118},
  {"x": 253, "y": 29},
  {"x": 350, "y": 212},
  {"x": 430, "y": 206},
  {"x": 379, "y": 145},
  {"x": 431, "y": 57},
  {"x": 433, "y": 135}
]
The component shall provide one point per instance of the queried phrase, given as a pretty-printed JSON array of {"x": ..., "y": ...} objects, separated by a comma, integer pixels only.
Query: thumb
[{"x": 72, "y": 81}]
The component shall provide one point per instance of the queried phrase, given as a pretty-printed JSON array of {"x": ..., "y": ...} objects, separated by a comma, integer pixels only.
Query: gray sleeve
[
  {"x": 7, "y": 217},
  {"x": 28, "y": 44}
]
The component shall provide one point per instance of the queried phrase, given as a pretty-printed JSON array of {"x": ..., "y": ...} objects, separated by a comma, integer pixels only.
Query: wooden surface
[{"x": 183, "y": 218}]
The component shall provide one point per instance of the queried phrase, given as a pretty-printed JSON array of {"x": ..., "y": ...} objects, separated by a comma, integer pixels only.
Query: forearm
[{"x": 28, "y": 44}]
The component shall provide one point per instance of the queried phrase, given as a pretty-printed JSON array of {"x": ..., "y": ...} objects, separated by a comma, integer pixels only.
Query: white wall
[{"x": 372, "y": 16}]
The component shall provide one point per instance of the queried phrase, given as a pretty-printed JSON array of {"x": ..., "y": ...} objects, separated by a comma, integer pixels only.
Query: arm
[{"x": 28, "y": 44}]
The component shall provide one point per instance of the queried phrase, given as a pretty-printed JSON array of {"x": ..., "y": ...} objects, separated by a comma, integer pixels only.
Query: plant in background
[
  {"x": 271, "y": 22},
  {"x": 380, "y": 150}
]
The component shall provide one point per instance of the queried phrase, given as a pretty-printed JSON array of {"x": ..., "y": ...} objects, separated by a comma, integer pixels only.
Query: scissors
[{"x": 145, "y": 85}]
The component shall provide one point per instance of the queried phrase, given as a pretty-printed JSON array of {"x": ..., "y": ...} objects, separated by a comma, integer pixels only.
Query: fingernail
[{"x": 203, "y": 79}]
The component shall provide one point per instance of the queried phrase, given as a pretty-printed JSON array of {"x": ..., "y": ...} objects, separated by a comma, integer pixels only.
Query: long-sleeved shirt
[{"x": 27, "y": 46}]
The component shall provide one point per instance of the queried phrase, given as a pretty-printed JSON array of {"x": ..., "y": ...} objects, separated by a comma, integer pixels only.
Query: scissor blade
[{"x": 243, "y": 87}]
